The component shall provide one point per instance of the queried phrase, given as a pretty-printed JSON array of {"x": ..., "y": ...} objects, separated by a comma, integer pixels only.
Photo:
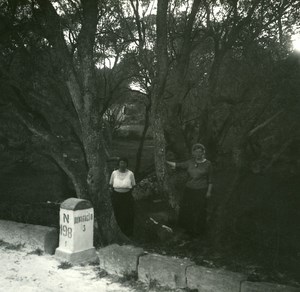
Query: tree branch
[
  {"x": 51, "y": 25},
  {"x": 264, "y": 124}
]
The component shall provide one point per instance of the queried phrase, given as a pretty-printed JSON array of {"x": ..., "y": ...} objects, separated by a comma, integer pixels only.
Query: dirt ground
[{"x": 23, "y": 271}]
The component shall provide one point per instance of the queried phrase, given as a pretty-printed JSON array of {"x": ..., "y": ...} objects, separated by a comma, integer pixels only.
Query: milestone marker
[{"x": 76, "y": 232}]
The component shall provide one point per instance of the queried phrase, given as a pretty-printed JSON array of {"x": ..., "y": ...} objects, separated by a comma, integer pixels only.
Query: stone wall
[
  {"x": 178, "y": 273},
  {"x": 172, "y": 272}
]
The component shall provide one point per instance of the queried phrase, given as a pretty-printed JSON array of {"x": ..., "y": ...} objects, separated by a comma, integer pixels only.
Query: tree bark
[
  {"x": 81, "y": 81},
  {"x": 142, "y": 141},
  {"x": 173, "y": 126},
  {"x": 157, "y": 111}
]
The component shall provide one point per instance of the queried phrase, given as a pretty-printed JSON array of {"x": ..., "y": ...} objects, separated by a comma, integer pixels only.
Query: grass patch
[
  {"x": 94, "y": 263},
  {"x": 65, "y": 265},
  {"x": 18, "y": 246},
  {"x": 38, "y": 252},
  {"x": 131, "y": 280},
  {"x": 3, "y": 243},
  {"x": 101, "y": 273},
  {"x": 10, "y": 246},
  {"x": 155, "y": 286},
  {"x": 129, "y": 277}
]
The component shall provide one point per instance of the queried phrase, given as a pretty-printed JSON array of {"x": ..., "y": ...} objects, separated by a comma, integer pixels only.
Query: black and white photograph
[{"x": 150, "y": 145}]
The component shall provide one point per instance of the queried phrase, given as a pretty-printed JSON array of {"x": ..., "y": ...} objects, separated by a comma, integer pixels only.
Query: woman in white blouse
[{"x": 121, "y": 184}]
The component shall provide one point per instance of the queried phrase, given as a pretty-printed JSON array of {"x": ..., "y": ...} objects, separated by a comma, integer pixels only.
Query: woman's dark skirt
[
  {"x": 123, "y": 206},
  {"x": 192, "y": 212}
]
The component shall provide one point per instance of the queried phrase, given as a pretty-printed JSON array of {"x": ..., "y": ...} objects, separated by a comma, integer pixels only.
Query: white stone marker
[{"x": 76, "y": 232}]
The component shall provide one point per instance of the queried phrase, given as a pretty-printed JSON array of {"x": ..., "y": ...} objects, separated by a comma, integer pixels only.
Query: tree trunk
[
  {"x": 97, "y": 181},
  {"x": 223, "y": 227},
  {"x": 173, "y": 127},
  {"x": 157, "y": 111},
  {"x": 174, "y": 133},
  {"x": 207, "y": 130},
  {"x": 142, "y": 141},
  {"x": 80, "y": 77}
]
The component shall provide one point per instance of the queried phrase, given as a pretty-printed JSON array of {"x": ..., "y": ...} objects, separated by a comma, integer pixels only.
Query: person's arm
[
  {"x": 132, "y": 178},
  {"x": 210, "y": 181},
  {"x": 174, "y": 165},
  {"x": 111, "y": 181},
  {"x": 208, "y": 194},
  {"x": 171, "y": 163}
]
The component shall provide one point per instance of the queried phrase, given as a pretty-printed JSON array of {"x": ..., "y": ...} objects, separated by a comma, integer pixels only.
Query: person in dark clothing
[
  {"x": 193, "y": 205},
  {"x": 121, "y": 184}
]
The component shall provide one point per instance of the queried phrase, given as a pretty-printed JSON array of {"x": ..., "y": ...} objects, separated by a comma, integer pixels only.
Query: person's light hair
[{"x": 198, "y": 146}]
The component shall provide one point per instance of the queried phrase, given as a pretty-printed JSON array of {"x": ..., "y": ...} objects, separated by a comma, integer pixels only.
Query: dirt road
[{"x": 21, "y": 271}]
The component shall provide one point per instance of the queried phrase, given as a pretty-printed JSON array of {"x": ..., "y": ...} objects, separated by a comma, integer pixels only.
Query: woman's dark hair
[{"x": 124, "y": 159}]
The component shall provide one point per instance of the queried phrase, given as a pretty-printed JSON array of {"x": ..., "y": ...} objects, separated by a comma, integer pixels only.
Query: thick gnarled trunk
[
  {"x": 80, "y": 78},
  {"x": 97, "y": 181},
  {"x": 174, "y": 133}
]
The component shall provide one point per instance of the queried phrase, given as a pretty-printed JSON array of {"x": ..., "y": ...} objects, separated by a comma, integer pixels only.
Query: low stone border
[
  {"x": 120, "y": 260},
  {"x": 206, "y": 279},
  {"x": 166, "y": 271},
  {"x": 266, "y": 287},
  {"x": 178, "y": 273},
  {"x": 127, "y": 260},
  {"x": 32, "y": 236}
]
